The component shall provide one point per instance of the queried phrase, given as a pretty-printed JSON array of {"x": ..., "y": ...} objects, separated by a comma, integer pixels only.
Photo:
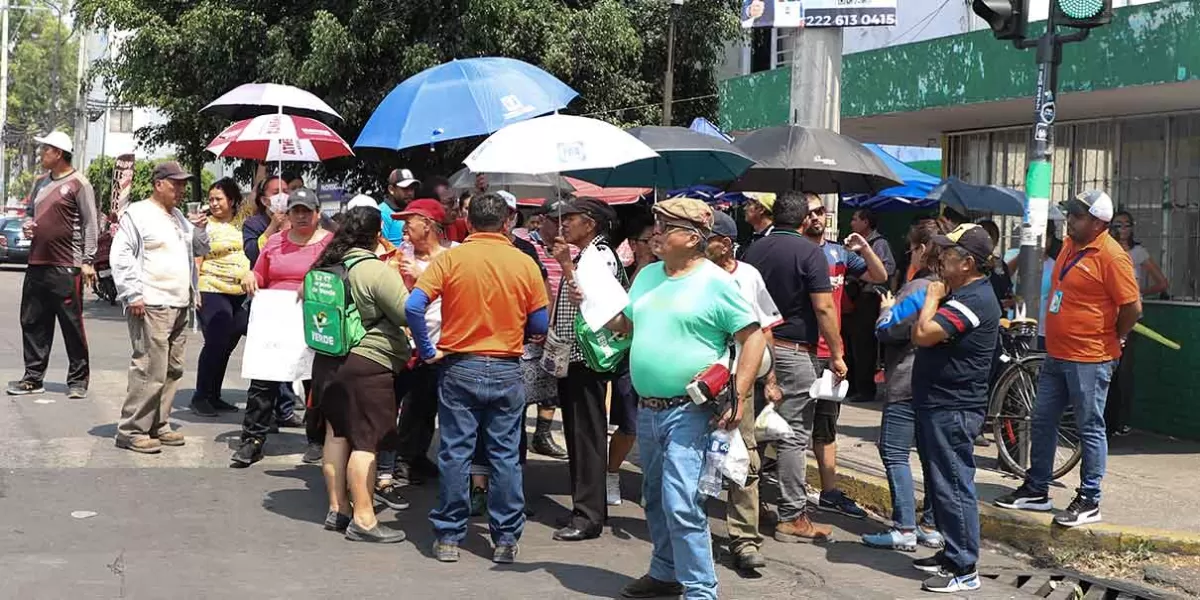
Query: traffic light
[
  {"x": 1082, "y": 14},
  {"x": 1005, "y": 17}
]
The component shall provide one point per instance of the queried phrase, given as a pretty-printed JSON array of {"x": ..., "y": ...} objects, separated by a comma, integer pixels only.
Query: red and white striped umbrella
[{"x": 280, "y": 138}]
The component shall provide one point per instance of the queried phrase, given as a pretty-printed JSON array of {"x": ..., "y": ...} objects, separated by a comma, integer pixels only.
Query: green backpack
[{"x": 332, "y": 323}]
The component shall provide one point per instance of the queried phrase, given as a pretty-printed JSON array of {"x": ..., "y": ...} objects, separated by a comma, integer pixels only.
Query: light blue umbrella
[{"x": 462, "y": 98}]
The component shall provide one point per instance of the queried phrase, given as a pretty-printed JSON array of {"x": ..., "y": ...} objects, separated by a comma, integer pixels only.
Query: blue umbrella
[
  {"x": 911, "y": 195},
  {"x": 462, "y": 98},
  {"x": 702, "y": 125},
  {"x": 708, "y": 193}
]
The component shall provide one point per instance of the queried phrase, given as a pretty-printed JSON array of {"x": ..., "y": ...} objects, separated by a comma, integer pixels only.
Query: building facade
[{"x": 1128, "y": 122}]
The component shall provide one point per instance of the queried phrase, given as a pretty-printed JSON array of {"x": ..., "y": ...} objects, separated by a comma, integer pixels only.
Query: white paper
[
  {"x": 603, "y": 296},
  {"x": 275, "y": 348}
]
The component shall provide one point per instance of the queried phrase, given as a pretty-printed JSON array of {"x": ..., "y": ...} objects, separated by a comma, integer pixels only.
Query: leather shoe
[
  {"x": 570, "y": 533},
  {"x": 749, "y": 560}
]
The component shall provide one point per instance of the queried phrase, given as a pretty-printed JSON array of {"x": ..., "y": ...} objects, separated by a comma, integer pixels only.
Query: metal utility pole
[
  {"x": 81, "y": 108},
  {"x": 4, "y": 101},
  {"x": 669, "y": 77},
  {"x": 816, "y": 91}
]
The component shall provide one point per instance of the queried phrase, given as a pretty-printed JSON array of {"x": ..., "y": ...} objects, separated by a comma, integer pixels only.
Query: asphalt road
[{"x": 183, "y": 525}]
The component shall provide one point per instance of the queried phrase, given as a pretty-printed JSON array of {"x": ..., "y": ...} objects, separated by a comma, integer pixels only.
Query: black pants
[
  {"x": 864, "y": 348},
  {"x": 260, "y": 407},
  {"x": 418, "y": 412},
  {"x": 223, "y": 319},
  {"x": 581, "y": 397},
  {"x": 50, "y": 294},
  {"x": 1119, "y": 406}
]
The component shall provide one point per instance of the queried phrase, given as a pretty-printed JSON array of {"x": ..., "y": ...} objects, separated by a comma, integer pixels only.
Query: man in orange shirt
[
  {"x": 493, "y": 298},
  {"x": 1093, "y": 305}
]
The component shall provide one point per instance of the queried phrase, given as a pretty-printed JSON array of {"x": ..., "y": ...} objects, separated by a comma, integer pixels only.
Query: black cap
[
  {"x": 724, "y": 225},
  {"x": 169, "y": 169},
  {"x": 603, "y": 214},
  {"x": 303, "y": 197},
  {"x": 970, "y": 237}
]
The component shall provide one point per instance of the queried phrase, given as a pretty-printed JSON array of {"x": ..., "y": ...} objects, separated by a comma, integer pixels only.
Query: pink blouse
[{"x": 282, "y": 264}]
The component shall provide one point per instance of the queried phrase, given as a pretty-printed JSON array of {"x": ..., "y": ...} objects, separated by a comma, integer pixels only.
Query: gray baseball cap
[{"x": 303, "y": 197}]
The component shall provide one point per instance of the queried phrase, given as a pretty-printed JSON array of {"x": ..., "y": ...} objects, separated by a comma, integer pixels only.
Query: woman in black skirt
[{"x": 355, "y": 392}]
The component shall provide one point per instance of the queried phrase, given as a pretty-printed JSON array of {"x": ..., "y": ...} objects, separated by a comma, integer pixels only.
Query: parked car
[{"x": 14, "y": 248}]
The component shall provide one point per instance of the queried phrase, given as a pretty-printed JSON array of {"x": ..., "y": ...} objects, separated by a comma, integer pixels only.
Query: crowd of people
[{"x": 469, "y": 310}]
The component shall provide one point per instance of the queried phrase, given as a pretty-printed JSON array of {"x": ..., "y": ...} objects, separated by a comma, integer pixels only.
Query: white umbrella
[
  {"x": 554, "y": 144},
  {"x": 250, "y": 100}
]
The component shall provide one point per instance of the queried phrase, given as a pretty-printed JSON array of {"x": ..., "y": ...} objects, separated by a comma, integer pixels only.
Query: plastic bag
[
  {"x": 770, "y": 426},
  {"x": 736, "y": 466}
]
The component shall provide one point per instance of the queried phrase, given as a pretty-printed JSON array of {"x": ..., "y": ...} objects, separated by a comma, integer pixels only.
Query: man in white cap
[
  {"x": 61, "y": 234},
  {"x": 153, "y": 266},
  {"x": 1094, "y": 304},
  {"x": 402, "y": 188}
]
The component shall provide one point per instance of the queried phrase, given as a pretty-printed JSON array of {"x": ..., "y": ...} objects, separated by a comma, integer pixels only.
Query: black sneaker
[
  {"x": 25, "y": 388},
  {"x": 836, "y": 501},
  {"x": 202, "y": 408},
  {"x": 313, "y": 454},
  {"x": 391, "y": 498},
  {"x": 76, "y": 392},
  {"x": 1025, "y": 499},
  {"x": 1081, "y": 511},
  {"x": 293, "y": 421},
  {"x": 545, "y": 445},
  {"x": 336, "y": 521},
  {"x": 948, "y": 582},
  {"x": 649, "y": 587},
  {"x": 223, "y": 406},
  {"x": 250, "y": 452},
  {"x": 504, "y": 554},
  {"x": 933, "y": 564},
  {"x": 379, "y": 534}
]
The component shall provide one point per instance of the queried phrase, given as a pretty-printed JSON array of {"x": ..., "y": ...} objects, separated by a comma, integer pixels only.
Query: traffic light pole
[{"x": 1038, "y": 177}]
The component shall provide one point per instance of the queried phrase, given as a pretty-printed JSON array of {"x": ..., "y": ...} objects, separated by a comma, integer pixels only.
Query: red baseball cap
[{"x": 425, "y": 207}]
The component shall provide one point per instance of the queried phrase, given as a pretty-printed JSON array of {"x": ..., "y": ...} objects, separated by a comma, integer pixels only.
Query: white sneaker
[{"x": 612, "y": 488}]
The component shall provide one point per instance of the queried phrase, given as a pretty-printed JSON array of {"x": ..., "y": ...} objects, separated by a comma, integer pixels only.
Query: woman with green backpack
[{"x": 359, "y": 342}]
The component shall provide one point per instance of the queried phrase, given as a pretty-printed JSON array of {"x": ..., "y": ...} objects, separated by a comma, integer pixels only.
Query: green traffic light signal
[
  {"x": 1082, "y": 14},
  {"x": 1081, "y": 9}
]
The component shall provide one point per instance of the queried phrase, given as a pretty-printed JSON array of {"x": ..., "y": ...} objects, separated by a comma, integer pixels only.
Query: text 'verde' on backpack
[{"x": 332, "y": 323}]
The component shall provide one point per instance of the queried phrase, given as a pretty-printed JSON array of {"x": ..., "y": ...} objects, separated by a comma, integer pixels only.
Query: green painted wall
[
  {"x": 1167, "y": 382},
  {"x": 1145, "y": 45}
]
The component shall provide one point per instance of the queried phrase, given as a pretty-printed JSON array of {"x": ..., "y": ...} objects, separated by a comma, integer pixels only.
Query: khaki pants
[
  {"x": 159, "y": 342},
  {"x": 741, "y": 514}
]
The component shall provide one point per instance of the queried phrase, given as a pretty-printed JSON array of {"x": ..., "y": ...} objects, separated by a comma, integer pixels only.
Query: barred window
[{"x": 1149, "y": 165}]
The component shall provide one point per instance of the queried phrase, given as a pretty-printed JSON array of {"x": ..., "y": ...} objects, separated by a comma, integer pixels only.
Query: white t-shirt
[
  {"x": 433, "y": 315},
  {"x": 754, "y": 290},
  {"x": 166, "y": 256},
  {"x": 1140, "y": 255}
]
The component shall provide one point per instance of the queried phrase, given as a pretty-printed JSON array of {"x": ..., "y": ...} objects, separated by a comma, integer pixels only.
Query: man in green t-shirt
[{"x": 689, "y": 309}]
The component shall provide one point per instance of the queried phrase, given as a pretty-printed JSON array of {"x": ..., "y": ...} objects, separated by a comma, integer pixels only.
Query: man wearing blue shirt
[
  {"x": 955, "y": 335},
  {"x": 402, "y": 188}
]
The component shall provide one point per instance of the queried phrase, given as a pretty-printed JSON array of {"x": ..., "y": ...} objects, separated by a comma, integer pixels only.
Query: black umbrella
[
  {"x": 966, "y": 198},
  {"x": 517, "y": 184},
  {"x": 811, "y": 159},
  {"x": 685, "y": 158}
]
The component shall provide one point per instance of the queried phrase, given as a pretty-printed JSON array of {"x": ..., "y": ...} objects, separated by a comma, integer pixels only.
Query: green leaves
[{"x": 353, "y": 52}]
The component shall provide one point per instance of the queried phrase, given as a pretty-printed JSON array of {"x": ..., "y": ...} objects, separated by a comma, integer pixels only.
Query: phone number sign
[
  {"x": 818, "y": 13},
  {"x": 849, "y": 13}
]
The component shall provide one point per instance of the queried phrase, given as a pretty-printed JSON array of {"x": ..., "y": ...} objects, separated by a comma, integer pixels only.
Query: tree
[
  {"x": 100, "y": 174},
  {"x": 353, "y": 52}
]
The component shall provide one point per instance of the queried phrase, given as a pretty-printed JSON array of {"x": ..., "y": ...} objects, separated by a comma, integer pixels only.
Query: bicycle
[{"x": 1010, "y": 404}]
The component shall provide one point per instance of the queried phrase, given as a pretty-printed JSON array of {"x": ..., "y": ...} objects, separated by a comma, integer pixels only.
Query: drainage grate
[{"x": 1070, "y": 585}]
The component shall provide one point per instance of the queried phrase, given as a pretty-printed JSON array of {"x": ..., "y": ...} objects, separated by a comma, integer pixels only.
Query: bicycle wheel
[{"x": 1011, "y": 409}]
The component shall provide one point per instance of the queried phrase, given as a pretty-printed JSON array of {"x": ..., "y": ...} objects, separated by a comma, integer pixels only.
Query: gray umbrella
[
  {"x": 811, "y": 159},
  {"x": 685, "y": 158},
  {"x": 517, "y": 184}
]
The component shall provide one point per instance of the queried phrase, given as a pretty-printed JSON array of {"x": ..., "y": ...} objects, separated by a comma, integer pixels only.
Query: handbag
[
  {"x": 556, "y": 357},
  {"x": 602, "y": 350}
]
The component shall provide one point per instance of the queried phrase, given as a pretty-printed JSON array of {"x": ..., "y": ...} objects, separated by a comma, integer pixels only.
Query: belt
[
  {"x": 663, "y": 403},
  {"x": 793, "y": 346}
]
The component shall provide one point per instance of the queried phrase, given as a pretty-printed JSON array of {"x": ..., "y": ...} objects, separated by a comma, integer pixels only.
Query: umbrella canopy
[
  {"x": 462, "y": 98},
  {"x": 811, "y": 159},
  {"x": 613, "y": 196},
  {"x": 966, "y": 198},
  {"x": 280, "y": 138},
  {"x": 709, "y": 194},
  {"x": 685, "y": 158},
  {"x": 517, "y": 184},
  {"x": 911, "y": 195},
  {"x": 556, "y": 144},
  {"x": 250, "y": 100},
  {"x": 702, "y": 125}
]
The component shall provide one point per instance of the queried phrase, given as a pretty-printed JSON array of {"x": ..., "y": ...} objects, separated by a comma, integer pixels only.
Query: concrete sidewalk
[{"x": 1151, "y": 490}]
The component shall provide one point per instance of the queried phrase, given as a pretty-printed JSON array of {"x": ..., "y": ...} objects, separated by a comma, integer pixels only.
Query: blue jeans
[
  {"x": 1085, "y": 387},
  {"x": 946, "y": 438},
  {"x": 480, "y": 394},
  {"x": 897, "y": 432},
  {"x": 672, "y": 444}
]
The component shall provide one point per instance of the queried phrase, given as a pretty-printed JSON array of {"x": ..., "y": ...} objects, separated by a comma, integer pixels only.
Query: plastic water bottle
[{"x": 714, "y": 457}]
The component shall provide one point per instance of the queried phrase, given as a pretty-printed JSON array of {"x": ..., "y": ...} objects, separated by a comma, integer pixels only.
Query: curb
[{"x": 1033, "y": 533}]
